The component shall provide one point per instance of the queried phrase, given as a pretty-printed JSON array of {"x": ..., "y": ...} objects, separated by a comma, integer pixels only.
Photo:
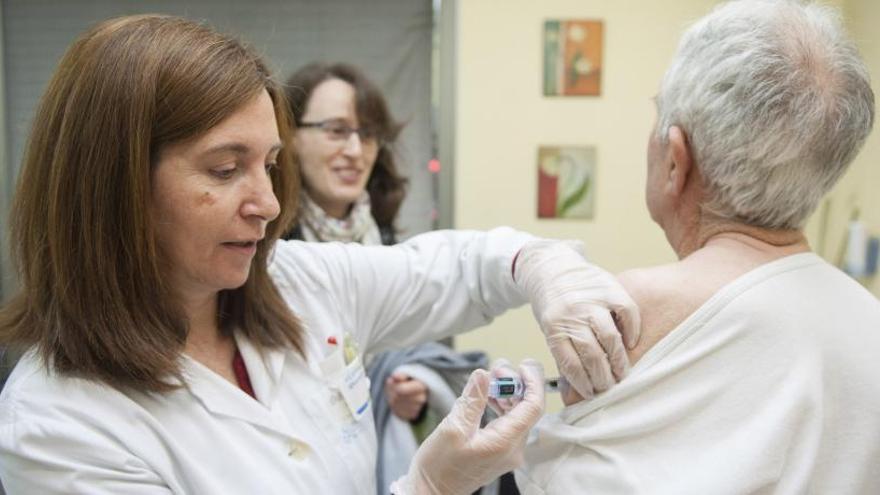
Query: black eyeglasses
[{"x": 339, "y": 130}]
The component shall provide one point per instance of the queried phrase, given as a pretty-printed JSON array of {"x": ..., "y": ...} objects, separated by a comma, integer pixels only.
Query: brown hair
[
  {"x": 93, "y": 297},
  {"x": 386, "y": 186}
]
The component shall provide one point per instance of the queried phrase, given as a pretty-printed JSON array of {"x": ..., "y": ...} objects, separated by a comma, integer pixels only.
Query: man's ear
[{"x": 681, "y": 169}]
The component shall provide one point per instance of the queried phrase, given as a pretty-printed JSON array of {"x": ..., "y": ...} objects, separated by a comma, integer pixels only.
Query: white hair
[{"x": 775, "y": 101}]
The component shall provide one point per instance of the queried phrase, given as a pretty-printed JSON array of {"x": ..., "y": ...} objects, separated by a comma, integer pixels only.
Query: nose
[
  {"x": 353, "y": 145},
  {"x": 261, "y": 201}
]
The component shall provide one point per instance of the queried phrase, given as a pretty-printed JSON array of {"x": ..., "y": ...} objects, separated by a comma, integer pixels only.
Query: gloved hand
[
  {"x": 459, "y": 456},
  {"x": 576, "y": 304}
]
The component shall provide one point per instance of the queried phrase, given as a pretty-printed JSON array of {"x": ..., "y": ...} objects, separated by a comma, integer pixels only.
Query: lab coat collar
[
  {"x": 225, "y": 399},
  {"x": 264, "y": 368}
]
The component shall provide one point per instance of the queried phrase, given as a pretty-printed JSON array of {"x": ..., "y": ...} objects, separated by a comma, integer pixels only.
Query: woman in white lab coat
[{"x": 173, "y": 346}]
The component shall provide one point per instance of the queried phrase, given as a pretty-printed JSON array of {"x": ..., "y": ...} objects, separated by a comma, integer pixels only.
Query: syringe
[{"x": 512, "y": 387}]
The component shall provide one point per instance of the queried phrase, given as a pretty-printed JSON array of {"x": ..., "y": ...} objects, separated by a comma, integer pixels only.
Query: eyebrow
[
  {"x": 237, "y": 148},
  {"x": 337, "y": 118}
]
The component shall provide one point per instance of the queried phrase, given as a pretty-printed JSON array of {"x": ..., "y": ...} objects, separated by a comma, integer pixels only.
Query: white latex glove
[
  {"x": 576, "y": 304},
  {"x": 459, "y": 457}
]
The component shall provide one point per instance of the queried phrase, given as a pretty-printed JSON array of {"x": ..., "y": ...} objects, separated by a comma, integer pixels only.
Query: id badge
[{"x": 355, "y": 389}]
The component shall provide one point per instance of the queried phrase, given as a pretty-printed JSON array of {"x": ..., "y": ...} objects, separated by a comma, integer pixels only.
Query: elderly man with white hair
[{"x": 758, "y": 367}]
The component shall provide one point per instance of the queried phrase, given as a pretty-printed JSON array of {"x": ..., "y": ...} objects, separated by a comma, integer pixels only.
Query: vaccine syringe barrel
[{"x": 509, "y": 387}]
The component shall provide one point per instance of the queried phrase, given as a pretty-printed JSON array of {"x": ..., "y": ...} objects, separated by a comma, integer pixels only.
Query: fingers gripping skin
[
  {"x": 605, "y": 341},
  {"x": 568, "y": 394},
  {"x": 628, "y": 320},
  {"x": 573, "y": 302}
]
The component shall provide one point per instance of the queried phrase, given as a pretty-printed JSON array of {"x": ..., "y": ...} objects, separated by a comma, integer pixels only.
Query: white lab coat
[{"x": 69, "y": 435}]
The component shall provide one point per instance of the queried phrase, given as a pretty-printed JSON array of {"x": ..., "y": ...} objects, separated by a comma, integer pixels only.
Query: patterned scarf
[{"x": 358, "y": 226}]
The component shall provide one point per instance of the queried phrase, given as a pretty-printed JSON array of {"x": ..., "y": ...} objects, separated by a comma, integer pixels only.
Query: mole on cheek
[{"x": 206, "y": 199}]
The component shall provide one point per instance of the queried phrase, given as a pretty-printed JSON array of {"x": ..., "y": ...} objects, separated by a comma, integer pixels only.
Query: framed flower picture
[
  {"x": 572, "y": 58},
  {"x": 566, "y": 181}
]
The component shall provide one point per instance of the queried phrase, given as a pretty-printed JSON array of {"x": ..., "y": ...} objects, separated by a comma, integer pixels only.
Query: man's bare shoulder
[
  {"x": 666, "y": 295},
  {"x": 650, "y": 284}
]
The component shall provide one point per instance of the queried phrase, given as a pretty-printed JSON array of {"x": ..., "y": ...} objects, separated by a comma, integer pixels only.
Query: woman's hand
[
  {"x": 405, "y": 395},
  {"x": 584, "y": 312},
  {"x": 459, "y": 456}
]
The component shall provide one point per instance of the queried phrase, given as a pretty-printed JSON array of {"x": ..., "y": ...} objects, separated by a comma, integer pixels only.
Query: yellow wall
[
  {"x": 502, "y": 118},
  {"x": 860, "y": 188}
]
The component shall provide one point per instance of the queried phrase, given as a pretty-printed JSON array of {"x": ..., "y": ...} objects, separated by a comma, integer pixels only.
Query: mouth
[
  {"x": 242, "y": 246},
  {"x": 348, "y": 174}
]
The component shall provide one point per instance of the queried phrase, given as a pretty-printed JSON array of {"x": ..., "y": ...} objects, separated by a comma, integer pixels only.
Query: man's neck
[
  {"x": 705, "y": 230},
  {"x": 668, "y": 294}
]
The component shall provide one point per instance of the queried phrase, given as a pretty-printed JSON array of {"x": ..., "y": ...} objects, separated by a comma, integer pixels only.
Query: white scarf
[{"x": 358, "y": 226}]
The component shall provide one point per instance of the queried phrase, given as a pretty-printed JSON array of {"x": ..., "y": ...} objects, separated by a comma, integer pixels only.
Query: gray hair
[{"x": 775, "y": 101}]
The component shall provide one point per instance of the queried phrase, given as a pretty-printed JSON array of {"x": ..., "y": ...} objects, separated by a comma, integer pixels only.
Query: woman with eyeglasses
[
  {"x": 344, "y": 140},
  {"x": 172, "y": 344},
  {"x": 352, "y": 192}
]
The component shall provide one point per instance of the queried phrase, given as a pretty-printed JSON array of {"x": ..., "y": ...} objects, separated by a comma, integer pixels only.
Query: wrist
[
  {"x": 409, "y": 484},
  {"x": 530, "y": 264},
  {"x": 421, "y": 415}
]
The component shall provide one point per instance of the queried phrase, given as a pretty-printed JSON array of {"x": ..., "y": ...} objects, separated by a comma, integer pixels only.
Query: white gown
[{"x": 772, "y": 386}]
